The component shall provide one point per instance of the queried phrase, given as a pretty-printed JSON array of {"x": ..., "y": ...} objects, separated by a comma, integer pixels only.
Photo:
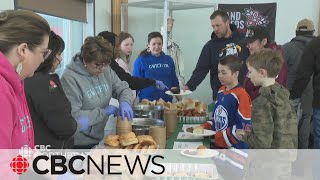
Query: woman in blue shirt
[{"x": 154, "y": 64}]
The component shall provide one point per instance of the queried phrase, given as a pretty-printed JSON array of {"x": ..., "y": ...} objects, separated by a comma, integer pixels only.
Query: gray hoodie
[{"x": 89, "y": 95}]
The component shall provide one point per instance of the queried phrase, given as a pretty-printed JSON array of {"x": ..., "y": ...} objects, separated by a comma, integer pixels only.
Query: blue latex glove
[
  {"x": 84, "y": 123},
  {"x": 111, "y": 110},
  {"x": 126, "y": 110},
  {"x": 161, "y": 85}
]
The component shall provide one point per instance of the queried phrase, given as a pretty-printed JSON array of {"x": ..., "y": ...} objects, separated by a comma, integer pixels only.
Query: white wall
[
  {"x": 192, "y": 30},
  {"x": 102, "y": 16},
  {"x": 6, "y": 4}
]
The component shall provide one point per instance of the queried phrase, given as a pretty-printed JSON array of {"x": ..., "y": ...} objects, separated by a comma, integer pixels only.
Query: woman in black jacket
[
  {"x": 49, "y": 107},
  {"x": 135, "y": 83}
]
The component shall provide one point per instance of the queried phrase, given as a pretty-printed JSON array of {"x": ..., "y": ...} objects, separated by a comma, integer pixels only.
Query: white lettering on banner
[
  {"x": 235, "y": 18},
  {"x": 157, "y": 66}
]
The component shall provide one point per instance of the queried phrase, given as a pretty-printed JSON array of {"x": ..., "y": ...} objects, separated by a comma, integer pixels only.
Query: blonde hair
[
  {"x": 21, "y": 26},
  {"x": 97, "y": 49},
  {"x": 267, "y": 59}
]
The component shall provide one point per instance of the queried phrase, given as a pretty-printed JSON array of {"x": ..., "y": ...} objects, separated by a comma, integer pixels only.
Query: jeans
[{"x": 316, "y": 128}]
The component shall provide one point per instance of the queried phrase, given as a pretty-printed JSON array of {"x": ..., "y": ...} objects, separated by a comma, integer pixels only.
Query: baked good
[
  {"x": 146, "y": 140},
  {"x": 145, "y": 101},
  {"x": 129, "y": 147},
  {"x": 128, "y": 141},
  {"x": 198, "y": 130},
  {"x": 112, "y": 137},
  {"x": 201, "y": 150},
  {"x": 112, "y": 142},
  {"x": 175, "y": 90},
  {"x": 201, "y": 175},
  {"x": 152, "y": 148},
  {"x": 202, "y": 147},
  {"x": 137, "y": 147},
  {"x": 127, "y": 135},
  {"x": 144, "y": 149}
]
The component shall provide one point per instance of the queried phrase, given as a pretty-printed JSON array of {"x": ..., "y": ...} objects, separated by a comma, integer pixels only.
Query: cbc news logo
[{"x": 20, "y": 164}]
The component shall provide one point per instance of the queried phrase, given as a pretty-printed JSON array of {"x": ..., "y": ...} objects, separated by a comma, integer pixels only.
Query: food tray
[
  {"x": 190, "y": 169},
  {"x": 192, "y": 119}
]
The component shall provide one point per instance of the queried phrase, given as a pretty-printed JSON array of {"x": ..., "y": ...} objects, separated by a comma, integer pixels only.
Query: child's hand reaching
[{"x": 240, "y": 133}]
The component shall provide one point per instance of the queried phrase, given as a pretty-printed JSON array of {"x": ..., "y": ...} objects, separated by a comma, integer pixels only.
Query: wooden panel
[{"x": 70, "y": 9}]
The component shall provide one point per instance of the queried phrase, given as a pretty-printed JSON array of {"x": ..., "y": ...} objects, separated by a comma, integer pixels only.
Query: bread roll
[
  {"x": 202, "y": 147},
  {"x": 198, "y": 130}
]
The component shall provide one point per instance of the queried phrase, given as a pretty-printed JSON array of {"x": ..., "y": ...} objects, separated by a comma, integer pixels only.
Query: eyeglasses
[
  {"x": 45, "y": 52},
  {"x": 101, "y": 65},
  {"x": 58, "y": 59}
]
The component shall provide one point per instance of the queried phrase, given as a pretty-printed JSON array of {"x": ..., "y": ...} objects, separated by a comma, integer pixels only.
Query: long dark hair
[
  {"x": 151, "y": 36},
  {"x": 56, "y": 44}
]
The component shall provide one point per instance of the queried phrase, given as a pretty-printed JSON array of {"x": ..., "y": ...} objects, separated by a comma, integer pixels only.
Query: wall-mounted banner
[{"x": 246, "y": 15}]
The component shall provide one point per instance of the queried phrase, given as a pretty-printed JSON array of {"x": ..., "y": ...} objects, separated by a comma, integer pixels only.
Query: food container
[
  {"x": 141, "y": 126},
  {"x": 192, "y": 119},
  {"x": 148, "y": 111}
]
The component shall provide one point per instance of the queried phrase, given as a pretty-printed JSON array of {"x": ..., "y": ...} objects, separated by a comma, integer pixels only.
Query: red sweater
[{"x": 282, "y": 78}]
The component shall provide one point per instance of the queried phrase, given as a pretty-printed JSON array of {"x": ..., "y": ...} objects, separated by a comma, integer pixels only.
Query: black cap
[
  {"x": 109, "y": 36},
  {"x": 255, "y": 32}
]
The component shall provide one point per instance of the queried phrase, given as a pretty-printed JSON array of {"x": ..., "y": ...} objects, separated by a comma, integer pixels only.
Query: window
[{"x": 73, "y": 33}]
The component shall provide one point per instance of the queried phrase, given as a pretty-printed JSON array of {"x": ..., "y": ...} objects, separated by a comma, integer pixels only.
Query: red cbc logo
[{"x": 19, "y": 164}]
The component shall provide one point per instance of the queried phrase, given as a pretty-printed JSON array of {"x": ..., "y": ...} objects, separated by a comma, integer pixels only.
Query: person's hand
[
  {"x": 84, "y": 123},
  {"x": 240, "y": 133},
  {"x": 296, "y": 103},
  {"x": 111, "y": 110},
  {"x": 126, "y": 110},
  {"x": 161, "y": 85},
  {"x": 185, "y": 88},
  {"x": 297, "y": 107}
]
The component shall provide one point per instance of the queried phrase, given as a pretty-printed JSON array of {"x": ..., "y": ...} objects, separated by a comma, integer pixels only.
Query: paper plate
[
  {"x": 181, "y": 93},
  {"x": 208, "y": 153},
  {"x": 205, "y": 133}
]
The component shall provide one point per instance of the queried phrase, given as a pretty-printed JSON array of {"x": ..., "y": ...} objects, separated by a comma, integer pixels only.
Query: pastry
[
  {"x": 144, "y": 149},
  {"x": 146, "y": 140},
  {"x": 198, "y": 130},
  {"x": 128, "y": 141},
  {"x": 112, "y": 142},
  {"x": 152, "y": 148}
]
